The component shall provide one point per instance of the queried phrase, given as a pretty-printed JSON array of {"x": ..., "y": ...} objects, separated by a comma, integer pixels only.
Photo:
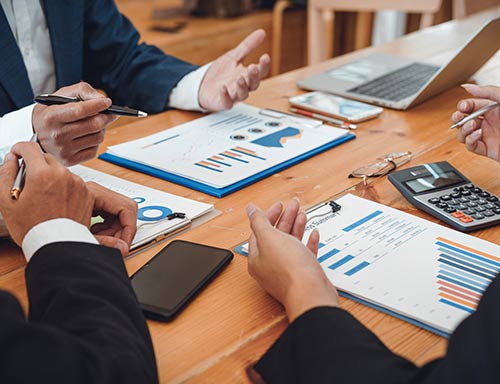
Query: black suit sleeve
[
  {"x": 84, "y": 325},
  {"x": 328, "y": 345}
]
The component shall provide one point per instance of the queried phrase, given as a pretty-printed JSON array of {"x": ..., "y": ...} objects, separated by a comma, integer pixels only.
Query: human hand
[
  {"x": 481, "y": 136},
  {"x": 50, "y": 191},
  {"x": 282, "y": 265},
  {"x": 228, "y": 81},
  {"x": 120, "y": 218},
  {"x": 72, "y": 132}
]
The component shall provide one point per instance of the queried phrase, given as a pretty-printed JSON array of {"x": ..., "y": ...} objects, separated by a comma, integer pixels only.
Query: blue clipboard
[
  {"x": 239, "y": 249},
  {"x": 220, "y": 192}
]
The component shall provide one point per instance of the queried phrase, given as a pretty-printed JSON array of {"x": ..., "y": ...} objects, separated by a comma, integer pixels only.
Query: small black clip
[
  {"x": 176, "y": 215},
  {"x": 335, "y": 207}
]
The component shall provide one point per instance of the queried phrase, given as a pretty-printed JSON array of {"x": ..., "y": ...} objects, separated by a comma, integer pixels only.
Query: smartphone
[
  {"x": 336, "y": 106},
  {"x": 172, "y": 278}
]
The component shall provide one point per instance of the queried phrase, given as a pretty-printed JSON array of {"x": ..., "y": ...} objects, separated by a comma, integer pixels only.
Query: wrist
[{"x": 305, "y": 294}]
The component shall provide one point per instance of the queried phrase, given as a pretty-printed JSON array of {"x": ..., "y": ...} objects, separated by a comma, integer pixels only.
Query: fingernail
[
  {"x": 464, "y": 105},
  {"x": 250, "y": 209},
  {"x": 108, "y": 102},
  {"x": 9, "y": 157},
  {"x": 123, "y": 248},
  {"x": 467, "y": 85},
  {"x": 296, "y": 198}
]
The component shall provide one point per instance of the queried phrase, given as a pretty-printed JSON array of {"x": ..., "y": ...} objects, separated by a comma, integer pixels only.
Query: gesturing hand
[
  {"x": 282, "y": 265},
  {"x": 228, "y": 81},
  {"x": 50, "y": 191},
  {"x": 120, "y": 218},
  {"x": 72, "y": 132},
  {"x": 481, "y": 136}
]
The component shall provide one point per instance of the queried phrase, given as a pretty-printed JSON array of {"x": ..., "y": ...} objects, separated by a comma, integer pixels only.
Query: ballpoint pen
[
  {"x": 113, "y": 110},
  {"x": 331, "y": 120},
  {"x": 473, "y": 115},
  {"x": 17, "y": 188}
]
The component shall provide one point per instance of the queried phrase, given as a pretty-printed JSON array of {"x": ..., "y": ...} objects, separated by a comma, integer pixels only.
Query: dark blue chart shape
[
  {"x": 139, "y": 200},
  {"x": 164, "y": 212},
  {"x": 274, "y": 139}
]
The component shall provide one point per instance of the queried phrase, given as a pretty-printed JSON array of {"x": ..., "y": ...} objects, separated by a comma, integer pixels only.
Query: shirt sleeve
[
  {"x": 15, "y": 127},
  {"x": 185, "y": 94},
  {"x": 55, "y": 231}
]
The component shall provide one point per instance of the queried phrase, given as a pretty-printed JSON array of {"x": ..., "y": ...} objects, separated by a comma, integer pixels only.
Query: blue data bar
[
  {"x": 466, "y": 269},
  {"x": 357, "y": 268},
  {"x": 362, "y": 221},
  {"x": 467, "y": 253},
  {"x": 466, "y": 262},
  {"x": 321, "y": 245},
  {"x": 341, "y": 262},
  {"x": 451, "y": 303},
  {"x": 327, "y": 255}
]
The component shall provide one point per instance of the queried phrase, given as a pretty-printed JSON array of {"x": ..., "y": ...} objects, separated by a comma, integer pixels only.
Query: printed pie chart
[{"x": 153, "y": 213}]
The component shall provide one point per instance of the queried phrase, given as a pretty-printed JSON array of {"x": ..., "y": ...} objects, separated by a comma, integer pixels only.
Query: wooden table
[{"x": 234, "y": 321}]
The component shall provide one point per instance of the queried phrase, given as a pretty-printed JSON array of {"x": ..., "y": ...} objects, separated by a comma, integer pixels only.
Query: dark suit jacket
[
  {"x": 84, "y": 323},
  {"x": 94, "y": 42},
  {"x": 328, "y": 345}
]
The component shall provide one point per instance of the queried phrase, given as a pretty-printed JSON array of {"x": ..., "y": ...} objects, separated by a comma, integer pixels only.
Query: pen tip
[{"x": 141, "y": 114}]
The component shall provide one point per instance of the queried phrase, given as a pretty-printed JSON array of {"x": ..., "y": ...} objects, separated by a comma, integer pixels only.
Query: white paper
[
  {"x": 153, "y": 205},
  {"x": 223, "y": 148}
]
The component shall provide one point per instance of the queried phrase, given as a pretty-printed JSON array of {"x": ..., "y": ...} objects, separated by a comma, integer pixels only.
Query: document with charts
[
  {"x": 224, "y": 148},
  {"x": 154, "y": 206},
  {"x": 425, "y": 273}
]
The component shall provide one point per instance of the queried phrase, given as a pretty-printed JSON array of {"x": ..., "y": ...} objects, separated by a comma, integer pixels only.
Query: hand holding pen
[
  {"x": 480, "y": 130},
  {"x": 73, "y": 131}
]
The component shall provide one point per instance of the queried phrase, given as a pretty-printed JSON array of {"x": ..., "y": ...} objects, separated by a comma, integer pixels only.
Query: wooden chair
[
  {"x": 462, "y": 8},
  {"x": 320, "y": 19}
]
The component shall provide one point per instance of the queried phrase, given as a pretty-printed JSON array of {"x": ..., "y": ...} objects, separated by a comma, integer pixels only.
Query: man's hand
[
  {"x": 72, "y": 132},
  {"x": 282, "y": 265},
  {"x": 50, "y": 191},
  {"x": 120, "y": 218},
  {"x": 481, "y": 136},
  {"x": 228, "y": 81}
]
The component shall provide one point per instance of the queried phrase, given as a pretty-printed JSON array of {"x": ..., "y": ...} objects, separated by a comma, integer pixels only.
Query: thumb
[
  {"x": 489, "y": 92},
  {"x": 114, "y": 242}
]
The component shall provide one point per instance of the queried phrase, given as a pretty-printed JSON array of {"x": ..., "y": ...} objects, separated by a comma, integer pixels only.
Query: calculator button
[
  {"x": 463, "y": 200},
  {"x": 470, "y": 186},
  {"x": 454, "y": 202},
  {"x": 466, "y": 193},
  {"x": 497, "y": 211},
  {"x": 434, "y": 200},
  {"x": 471, "y": 204},
  {"x": 482, "y": 201},
  {"x": 477, "y": 216},
  {"x": 468, "y": 211},
  {"x": 488, "y": 213},
  {"x": 476, "y": 190},
  {"x": 446, "y": 198},
  {"x": 497, "y": 203},
  {"x": 473, "y": 197},
  {"x": 489, "y": 206},
  {"x": 449, "y": 210},
  {"x": 466, "y": 219},
  {"x": 458, "y": 214},
  {"x": 455, "y": 195},
  {"x": 492, "y": 198},
  {"x": 461, "y": 207},
  {"x": 480, "y": 209},
  {"x": 484, "y": 194},
  {"x": 442, "y": 205}
]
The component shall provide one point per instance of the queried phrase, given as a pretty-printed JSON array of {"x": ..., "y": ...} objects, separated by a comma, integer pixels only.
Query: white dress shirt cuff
[
  {"x": 185, "y": 94},
  {"x": 15, "y": 127},
  {"x": 55, "y": 231}
]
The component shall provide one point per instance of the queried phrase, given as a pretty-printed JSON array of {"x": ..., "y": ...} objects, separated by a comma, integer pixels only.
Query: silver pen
[
  {"x": 17, "y": 188},
  {"x": 473, "y": 115}
]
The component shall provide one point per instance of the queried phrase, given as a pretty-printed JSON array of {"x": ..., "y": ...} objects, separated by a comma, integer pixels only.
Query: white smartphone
[{"x": 335, "y": 106}]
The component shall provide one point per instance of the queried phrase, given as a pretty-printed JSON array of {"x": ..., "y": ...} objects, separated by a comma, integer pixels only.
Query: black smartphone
[{"x": 166, "y": 284}]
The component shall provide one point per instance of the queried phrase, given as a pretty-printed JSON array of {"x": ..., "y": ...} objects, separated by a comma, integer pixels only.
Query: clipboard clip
[{"x": 172, "y": 216}]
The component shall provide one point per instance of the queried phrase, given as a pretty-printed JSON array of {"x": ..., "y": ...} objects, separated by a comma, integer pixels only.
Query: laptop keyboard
[{"x": 398, "y": 85}]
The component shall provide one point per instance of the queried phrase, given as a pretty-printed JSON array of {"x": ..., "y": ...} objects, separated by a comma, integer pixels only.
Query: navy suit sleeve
[
  {"x": 84, "y": 325},
  {"x": 328, "y": 345},
  {"x": 132, "y": 74}
]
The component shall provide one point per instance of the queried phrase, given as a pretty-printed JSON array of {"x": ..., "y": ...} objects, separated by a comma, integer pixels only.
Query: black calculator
[{"x": 442, "y": 191}]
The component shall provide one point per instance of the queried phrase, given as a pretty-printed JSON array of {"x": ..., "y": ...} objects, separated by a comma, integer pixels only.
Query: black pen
[{"x": 113, "y": 110}]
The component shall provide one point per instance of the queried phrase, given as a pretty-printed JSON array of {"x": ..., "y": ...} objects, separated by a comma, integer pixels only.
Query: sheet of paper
[
  {"x": 154, "y": 206},
  {"x": 403, "y": 263},
  {"x": 223, "y": 148}
]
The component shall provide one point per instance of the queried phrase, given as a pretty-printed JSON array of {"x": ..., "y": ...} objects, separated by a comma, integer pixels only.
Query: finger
[
  {"x": 225, "y": 98},
  {"x": 261, "y": 227},
  {"x": 483, "y": 92},
  {"x": 253, "y": 77},
  {"x": 31, "y": 153},
  {"x": 472, "y": 141},
  {"x": 470, "y": 105},
  {"x": 84, "y": 142},
  {"x": 456, "y": 117},
  {"x": 238, "y": 90},
  {"x": 72, "y": 112},
  {"x": 80, "y": 157},
  {"x": 313, "y": 242},
  {"x": 113, "y": 242},
  {"x": 264, "y": 65},
  {"x": 299, "y": 226},
  {"x": 82, "y": 90},
  {"x": 8, "y": 172},
  {"x": 289, "y": 215},
  {"x": 274, "y": 213},
  {"x": 250, "y": 43},
  {"x": 467, "y": 129}
]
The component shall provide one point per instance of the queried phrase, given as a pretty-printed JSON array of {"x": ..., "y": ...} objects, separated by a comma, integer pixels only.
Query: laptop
[{"x": 400, "y": 83}]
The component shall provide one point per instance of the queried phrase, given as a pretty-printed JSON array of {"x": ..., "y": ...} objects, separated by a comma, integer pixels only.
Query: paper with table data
[
  {"x": 154, "y": 206},
  {"x": 402, "y": 263},
  {"x": 225, "y": 147}
]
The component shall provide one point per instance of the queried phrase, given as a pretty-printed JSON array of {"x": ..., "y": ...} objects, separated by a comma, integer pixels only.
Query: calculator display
[{"x": 431, "y": 182}]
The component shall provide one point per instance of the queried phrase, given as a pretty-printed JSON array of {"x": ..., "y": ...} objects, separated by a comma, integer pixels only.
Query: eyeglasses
[{"x": 385, "y": 165}]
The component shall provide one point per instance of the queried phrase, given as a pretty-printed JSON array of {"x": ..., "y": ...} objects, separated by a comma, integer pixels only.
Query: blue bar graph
[
  {"x": 341, "y": 262},
  {"x": 357, "y": 268},
  {"x": 362, "y": 221},
  {"x": 466, "y": 262},
  {"x": 456, "y": 305},
  {"x": 321, "y": 245},
  {"x": 467, "y": 253},
  {"x": 327, "y": 255}
]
